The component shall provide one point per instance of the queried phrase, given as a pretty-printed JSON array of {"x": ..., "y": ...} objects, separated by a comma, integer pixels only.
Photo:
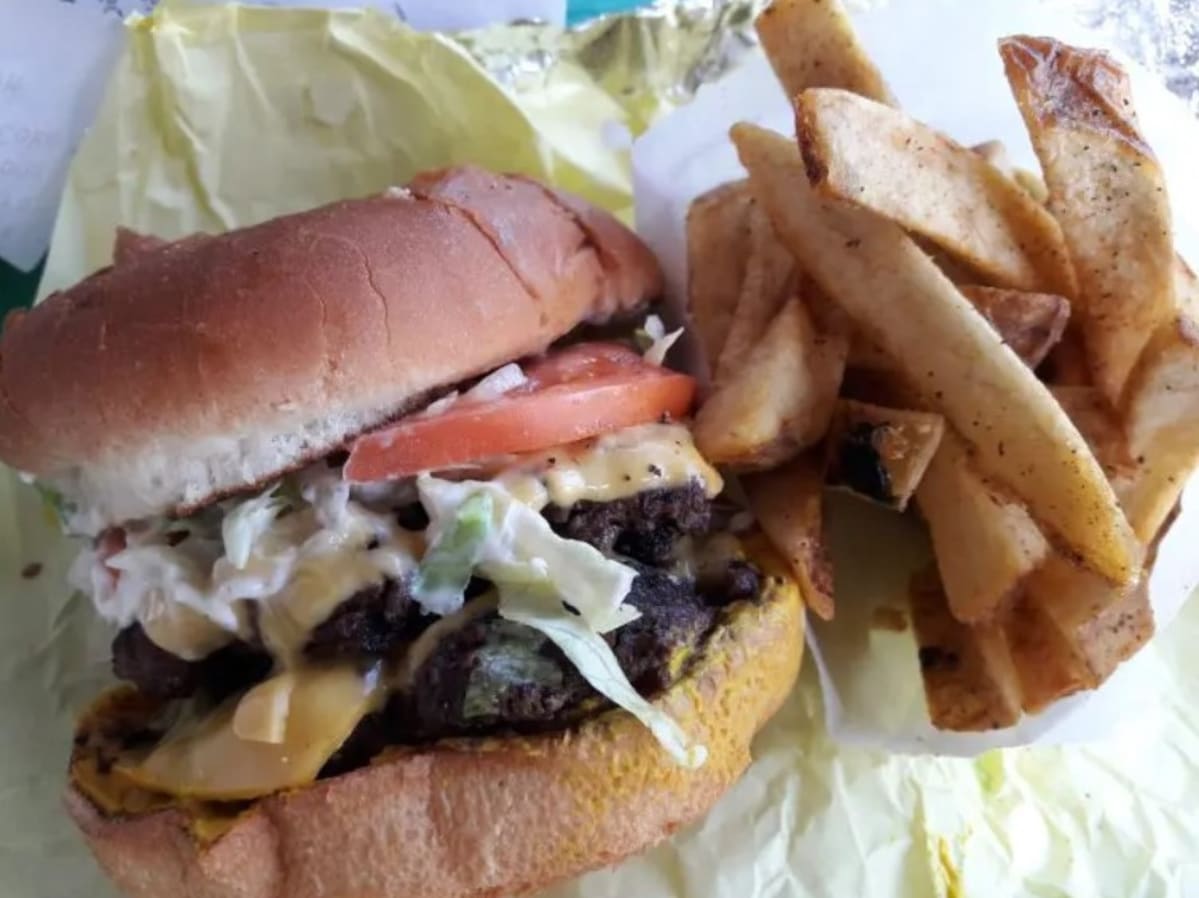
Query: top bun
[{"x": 194, "y": 369}]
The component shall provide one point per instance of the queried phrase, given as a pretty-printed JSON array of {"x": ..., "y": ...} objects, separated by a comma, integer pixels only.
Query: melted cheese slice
[
  {"x": 183, "y": 631},
  {"x": 261, "y": 715},
  {"x": 614, "y": 466},
  {"x": 622, "y": 464},
  {"x": 207, "y": 759}
]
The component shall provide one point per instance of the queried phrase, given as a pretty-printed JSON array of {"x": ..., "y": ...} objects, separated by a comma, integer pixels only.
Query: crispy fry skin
[{"x": 901, "y": 301}]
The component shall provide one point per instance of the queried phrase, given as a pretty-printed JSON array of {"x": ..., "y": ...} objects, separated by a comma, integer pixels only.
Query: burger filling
[{"x": 298, "y": 632}]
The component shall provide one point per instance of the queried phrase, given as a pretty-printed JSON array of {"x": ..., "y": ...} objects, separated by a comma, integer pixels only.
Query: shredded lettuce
[
  {"x": 444, "y": 572},
  {"x": 54, "y": 500},
  {"x": 540, "y": 607},
  {"x": 154, "y": 575},
  {"x": 246, "y": 523},
  {"x": 327, "y": 493},
  {"x": 654, "y": 341},
  {"x": 500, "y": 381},
  {"x": 240, "y": 551},
  {"x": 481, "y": 526},
  {"x": 437, "y": 406},
  {"x": 521, "y": 547}
]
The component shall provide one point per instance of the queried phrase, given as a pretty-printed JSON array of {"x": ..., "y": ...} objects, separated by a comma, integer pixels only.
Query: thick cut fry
[
  {"x": 995, "y": 152},
  {"x": 1148, "y": 485},
  {"x": 1047, "y": 666},
  {"x": 985, "y": 544},
  {"x": 1107, "y": 191},
  {"x": 901, "y": 301},
  {"x": 880, "y": 159},
  {"x": 1033, "y": 183},
  {"x": 717, "y": 247},
  {"x": 1162, "y": 414},
  {"x": 1151, "y": 493},
  {"x": 789, "y": 505},
  {"x": 1030, "y": 323},
  {"x": 970, "y": 682},
  {"x": 1099, "y": 426},
  {"x": 881, "y": 453},
  {"x": 1102, "y": 624},
  {"x": 781, "y": 399},
  {"x": 811, "y": 43},
  {"x": 1067, "y": 364},
  {"x": 770, "y": 278},
  {"x": 1163, "y": 407}
]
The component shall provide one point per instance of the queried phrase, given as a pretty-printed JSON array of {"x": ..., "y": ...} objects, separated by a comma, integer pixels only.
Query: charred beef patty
[
  {"x": 374, "y": 622},
  {"x": 644, "y": 527},
  {"x": 158, "y": 673},
  {"x": 490, "y": 673},
  {"x": 494, "y": 673}
]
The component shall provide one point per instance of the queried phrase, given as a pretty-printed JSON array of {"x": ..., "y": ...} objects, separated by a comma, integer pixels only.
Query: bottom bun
[{"x": 480, "y": 817}]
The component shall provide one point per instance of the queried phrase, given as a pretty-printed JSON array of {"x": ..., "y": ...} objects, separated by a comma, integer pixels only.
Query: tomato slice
[
  {"x": 589, "y": 389},
  {"x": 584, "y": 361}
]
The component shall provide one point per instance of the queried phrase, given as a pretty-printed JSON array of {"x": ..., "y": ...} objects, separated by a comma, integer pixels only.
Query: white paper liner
[{"x": 870, "y": 678}]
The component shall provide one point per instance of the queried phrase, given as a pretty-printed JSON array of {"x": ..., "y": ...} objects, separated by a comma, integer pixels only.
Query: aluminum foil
[
  {"x": 653, "y": 59},
  {"x": 649, "y": 60},
  {"x": 1163, "y": 35}
]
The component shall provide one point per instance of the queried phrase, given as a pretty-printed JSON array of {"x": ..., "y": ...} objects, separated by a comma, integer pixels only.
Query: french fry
[
  {"x": 1163, "y": 406},
  {"x": 717, "y": 249},
  {"x": 995, "y": 152},
  {"x": 882, "y": 160},
  {"x": 789, "y": 505},
  {"x": 1151, "y": 493},
  {"x": 970, "y": 681},
  {"x": 770, "y": 277},
  {"x": 780, "y": 400},
  {"x": 901, "y": 301},
  {"x": 1048, "y": 667},
  {"x": 1148, "y": 485},
  {"x": 1033, "y": 183},
  {"x": 1101, "y": 624},
  {"x": 881, "y": 453},
  {"x": 1100, "y": 427},
  {"x": 1107, "y": 191},
  {"x": 985, "y": 544},
  {"x": 1067, "y": 364},
  {"x": 811, "y": 43},
  {"x": 1031, "y": 324},
  {"x": 1162, "y": 414},
  {"x": 953, "y": 267}
]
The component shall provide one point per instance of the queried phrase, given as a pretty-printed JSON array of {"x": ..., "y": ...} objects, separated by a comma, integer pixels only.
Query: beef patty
[
  {"x": 491, "y": 673},
  {"x": 645, "y": 527}
]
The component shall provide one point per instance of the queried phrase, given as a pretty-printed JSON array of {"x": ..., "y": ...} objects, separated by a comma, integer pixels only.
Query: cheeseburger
[{"x": 418, "y": 583}]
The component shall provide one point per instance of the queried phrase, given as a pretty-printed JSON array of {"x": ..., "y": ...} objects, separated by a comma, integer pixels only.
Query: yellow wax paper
[{"x": 220, "y": 117}]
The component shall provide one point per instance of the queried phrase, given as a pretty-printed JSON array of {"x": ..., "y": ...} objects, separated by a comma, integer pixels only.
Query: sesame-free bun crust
[
  {"x": 197, "y": 368},
  {"x": 473, "y": 818}
]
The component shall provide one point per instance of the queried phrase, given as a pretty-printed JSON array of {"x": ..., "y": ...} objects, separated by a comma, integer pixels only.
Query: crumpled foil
[
  {"x": 649, "y": 61},
  {"x": 1163, "y": 35},
  {"x": 655, "y": 58}
]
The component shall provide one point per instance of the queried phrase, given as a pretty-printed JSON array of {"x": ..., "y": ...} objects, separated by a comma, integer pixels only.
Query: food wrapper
[
  {"x": 219, "y": 118},
  {"x": 873, "y": 693}
]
